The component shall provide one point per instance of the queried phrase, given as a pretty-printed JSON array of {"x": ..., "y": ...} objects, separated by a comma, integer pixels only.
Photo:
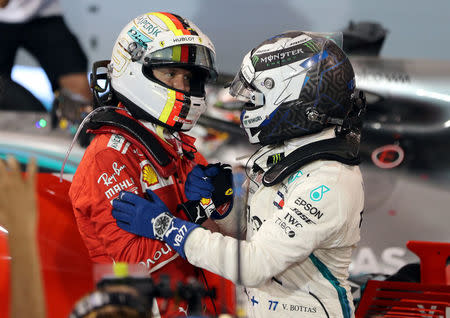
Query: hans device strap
[
  {"x": 140, "y": 133},
  {"x": 337, "y": 149}
]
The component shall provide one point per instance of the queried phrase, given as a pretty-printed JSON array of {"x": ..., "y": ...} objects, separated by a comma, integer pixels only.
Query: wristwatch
[{"x": 161, "y": 224}]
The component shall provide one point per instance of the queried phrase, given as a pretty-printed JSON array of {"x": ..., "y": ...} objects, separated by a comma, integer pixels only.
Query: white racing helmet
[
  {"x": 161, "y": 39},
  {"x": 294, "y": 84}
]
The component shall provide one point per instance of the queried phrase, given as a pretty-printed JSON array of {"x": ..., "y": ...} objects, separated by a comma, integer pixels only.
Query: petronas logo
[
  {"x": 255, "y": 59},
  {"x": 312, "y": 46}
]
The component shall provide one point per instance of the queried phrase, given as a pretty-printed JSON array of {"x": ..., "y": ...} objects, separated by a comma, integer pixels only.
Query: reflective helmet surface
[
  {"x": 161, "y": 39},
  {"x": 295, "y": 84}
]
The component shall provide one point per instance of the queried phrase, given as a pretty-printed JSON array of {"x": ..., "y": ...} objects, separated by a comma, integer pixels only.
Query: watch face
[{"x": 161, "y": 224}]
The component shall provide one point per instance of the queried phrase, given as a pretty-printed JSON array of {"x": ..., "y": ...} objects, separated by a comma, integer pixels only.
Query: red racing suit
[{"x": 113, "y": 163}]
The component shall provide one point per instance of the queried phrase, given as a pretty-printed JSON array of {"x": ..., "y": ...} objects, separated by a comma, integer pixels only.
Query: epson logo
[{"x": 309, "y": 207}]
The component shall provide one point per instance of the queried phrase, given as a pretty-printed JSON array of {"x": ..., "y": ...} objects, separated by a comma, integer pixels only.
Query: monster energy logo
[
  {"x": 278, "y": 58},
  {"x": 255, "y": 59},
  {"x": 275, "y": 158},
  {"x": 312, "y": 46}
]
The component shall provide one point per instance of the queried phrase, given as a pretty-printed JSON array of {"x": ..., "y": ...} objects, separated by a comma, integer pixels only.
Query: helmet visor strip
[
  {"x": 243, "y": 91},
  {"x": 188, "y": 56}
]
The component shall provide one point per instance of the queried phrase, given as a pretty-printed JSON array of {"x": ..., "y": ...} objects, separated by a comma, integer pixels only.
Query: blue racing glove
[
  {"x": 152, "y": 219},
  {"x": 210, "y": 192},
  {"x": 199, "y": 182}
]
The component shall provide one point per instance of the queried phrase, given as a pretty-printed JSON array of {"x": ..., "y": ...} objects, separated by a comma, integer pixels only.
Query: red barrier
[
  {"x": 66, "y": 266},
  {"x": 429, "y": 298},
  {"x": 433, "y": 260}
]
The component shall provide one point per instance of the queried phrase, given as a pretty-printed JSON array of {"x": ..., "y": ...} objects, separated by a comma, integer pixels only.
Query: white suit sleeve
[
  {"x": 288, "y": 237},
  {"x": 233, "y": 224}
]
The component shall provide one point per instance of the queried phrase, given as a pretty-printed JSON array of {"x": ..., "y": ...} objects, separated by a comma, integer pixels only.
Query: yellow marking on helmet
[
  {"x": 169, "y": 106},
  {"x": 168, "y": 23},
  {"x": 176, "y": 50},
  {"x": 176, "y": 53}
]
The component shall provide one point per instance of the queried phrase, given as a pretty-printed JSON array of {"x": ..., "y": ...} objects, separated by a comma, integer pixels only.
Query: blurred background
[{"x": 416, "y": 28}]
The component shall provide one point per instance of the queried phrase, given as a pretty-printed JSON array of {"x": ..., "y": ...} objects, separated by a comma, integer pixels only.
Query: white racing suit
[{"x": 300, "y": 237}]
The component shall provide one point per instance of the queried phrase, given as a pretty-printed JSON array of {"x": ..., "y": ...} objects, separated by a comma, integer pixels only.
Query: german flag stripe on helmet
[
  {"x": 180, "y": 53},
  {"x": 176, "y": 53},
  {"x": 178, "y": 27},
  {"x": 173, "y": 23},
  {"x": 184, "y": 53},
  {"x": 185, "y": 25},
  {"x": 172, "y": 108},
  {"x": 168, "y": 107},
  {"x": 178, "y": 105}
]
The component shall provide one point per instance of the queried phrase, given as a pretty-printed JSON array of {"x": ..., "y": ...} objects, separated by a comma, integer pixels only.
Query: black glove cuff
[{"x": 194, "y": 211}]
